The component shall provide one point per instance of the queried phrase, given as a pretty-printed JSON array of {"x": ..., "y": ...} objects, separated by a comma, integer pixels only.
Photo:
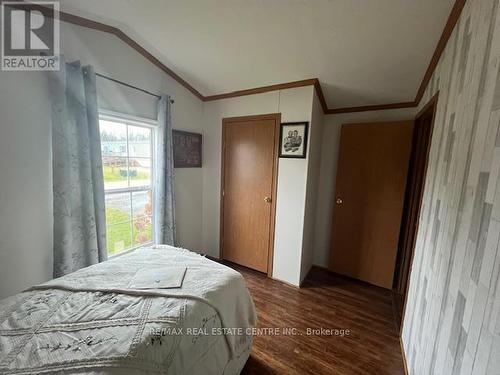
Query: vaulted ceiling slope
[{"x": 364, "y": 52}]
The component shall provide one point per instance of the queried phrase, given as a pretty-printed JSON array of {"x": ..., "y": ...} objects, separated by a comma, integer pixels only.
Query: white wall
[
  {"x": 25, "y": 187},
  {"x": 294, "y": 105},
  {"x": 313, "y": 176},
  {"x": 328, "y": 172},
  {"x": 25, "y": 164}
]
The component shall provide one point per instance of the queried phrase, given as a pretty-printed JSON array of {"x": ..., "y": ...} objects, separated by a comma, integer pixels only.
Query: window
[{"x": 127, "y": 158}]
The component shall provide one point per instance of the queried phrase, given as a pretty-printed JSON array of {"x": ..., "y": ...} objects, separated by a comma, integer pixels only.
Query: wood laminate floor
[{"x": 325, "y": 301}]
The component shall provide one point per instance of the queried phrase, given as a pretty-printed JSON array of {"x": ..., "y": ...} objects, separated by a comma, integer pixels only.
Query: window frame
[{"x": 130, "y": 120}]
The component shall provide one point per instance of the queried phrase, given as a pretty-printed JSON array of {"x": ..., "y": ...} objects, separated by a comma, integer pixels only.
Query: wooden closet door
[
  {"x": 248, "y": 190},
  {"x": 370, "y": 188}
]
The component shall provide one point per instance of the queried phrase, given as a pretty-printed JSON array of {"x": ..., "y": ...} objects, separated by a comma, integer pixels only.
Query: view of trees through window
[{"x": 127, "y": 157}]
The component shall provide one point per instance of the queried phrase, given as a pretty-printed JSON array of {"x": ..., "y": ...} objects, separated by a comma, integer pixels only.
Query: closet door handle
[
  {"x": 339, "y": 201},
  {"x": 268, "y": 199}
]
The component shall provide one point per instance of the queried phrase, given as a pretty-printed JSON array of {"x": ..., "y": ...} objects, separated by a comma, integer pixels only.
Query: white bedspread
[{"x": 91, "y": 321}]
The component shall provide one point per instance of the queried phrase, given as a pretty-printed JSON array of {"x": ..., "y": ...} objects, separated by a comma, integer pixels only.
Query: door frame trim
[
  {"x": 431, "y": 105},
  {"x": 272, "y": 223}
]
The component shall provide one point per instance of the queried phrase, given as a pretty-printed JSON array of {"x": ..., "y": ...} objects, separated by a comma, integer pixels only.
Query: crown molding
[
  {"x": 261, "y": 89},
  {"x": 367, "y": 108},
  {"x": 455, "y": 14},
  {"x": 443, "y": 41}
]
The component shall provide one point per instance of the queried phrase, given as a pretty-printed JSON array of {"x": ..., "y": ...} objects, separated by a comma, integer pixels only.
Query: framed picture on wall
[
  {"x": 293, "y": 140},
  {"x": 187, "y": 149}
]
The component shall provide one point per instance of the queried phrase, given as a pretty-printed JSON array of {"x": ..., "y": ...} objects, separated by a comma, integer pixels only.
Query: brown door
[
  {"x": 370, "y": 187},
  {"x": 249, "y": 164}
]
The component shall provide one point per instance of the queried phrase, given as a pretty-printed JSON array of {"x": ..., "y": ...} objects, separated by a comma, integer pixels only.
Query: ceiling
[{"x": 364, "y": 52}]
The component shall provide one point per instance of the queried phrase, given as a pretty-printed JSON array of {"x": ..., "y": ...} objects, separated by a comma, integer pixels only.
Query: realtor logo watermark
[{"x": 30, "y": 35}]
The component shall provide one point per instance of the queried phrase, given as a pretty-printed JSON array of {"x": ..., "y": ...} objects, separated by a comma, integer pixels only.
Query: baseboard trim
[
  {"x": 215, "y": 259},
  {"x": 403, "y": 355},
  {"x": 285, "y": 283},
  {"x": 321, "y": 267},
  {"x": 306, "y": 276},
  {"x": 221, "y": 261}
]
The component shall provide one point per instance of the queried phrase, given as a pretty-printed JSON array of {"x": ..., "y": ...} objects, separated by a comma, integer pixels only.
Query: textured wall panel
[{"x": 452, "y": 320}]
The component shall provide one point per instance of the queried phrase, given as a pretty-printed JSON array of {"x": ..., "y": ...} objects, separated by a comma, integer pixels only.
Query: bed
[{"x": 93, "y": 322}]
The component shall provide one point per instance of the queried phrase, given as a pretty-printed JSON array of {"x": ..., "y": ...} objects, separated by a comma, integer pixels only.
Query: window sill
[{"x": 129, "y": 250}]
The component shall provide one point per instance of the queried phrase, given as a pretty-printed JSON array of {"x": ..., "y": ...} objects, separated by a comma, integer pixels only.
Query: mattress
[{"x": 92, "y": 322}]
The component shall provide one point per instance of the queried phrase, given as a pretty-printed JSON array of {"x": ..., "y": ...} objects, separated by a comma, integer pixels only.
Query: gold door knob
[
  {"x": 267, "y": 199},
  {"x": 339, "y": 201}
]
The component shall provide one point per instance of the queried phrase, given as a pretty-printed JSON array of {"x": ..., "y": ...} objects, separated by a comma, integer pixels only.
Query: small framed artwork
[
  {"x": 293, "y": 140},
  {"x": 187, "y": 149}
]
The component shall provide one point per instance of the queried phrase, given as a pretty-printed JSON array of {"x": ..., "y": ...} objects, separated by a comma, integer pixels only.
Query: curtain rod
[{"x": 130, "y": 86}]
